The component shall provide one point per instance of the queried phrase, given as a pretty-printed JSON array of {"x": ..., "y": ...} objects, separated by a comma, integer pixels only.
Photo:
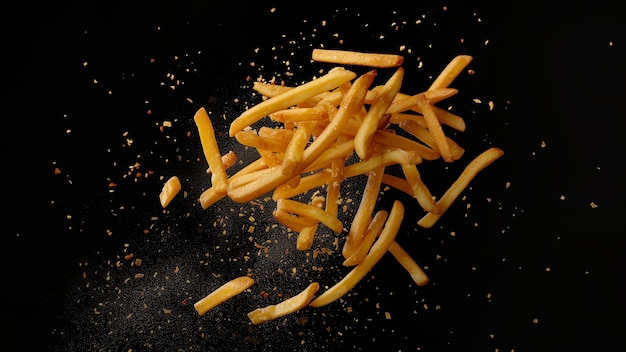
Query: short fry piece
[
  {"x": 380, "y": 247},
  {"x": 211, "y": 151},
  {"x": 170, "y": 189},
  {"x": 468, "y": 174},
  {"x": 288, "y": 306},
  {"x": 346, "y": 57},
  {"x": 223, "y": 293}
]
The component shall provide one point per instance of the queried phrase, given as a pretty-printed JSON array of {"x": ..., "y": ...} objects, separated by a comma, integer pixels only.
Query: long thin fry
[
  {"x": 334, "y": 78},
  {"x": 309, "y": 210},
  {"x": 468, "y": 174},
  {"x": 363, "y": 216},
  {"x": 375, "y": 113},
  {"x": 227, "y": 291},
  {"x": 434, "y": 126},
  {"x": 346, "y": 57},
  {"x": 211, "y": 151},
  {"x": 374, "y": 229},
  {"x": 420, "y": 190},
  {"x": 451, "y": 71},
  {"x": 380, "y": 247}
]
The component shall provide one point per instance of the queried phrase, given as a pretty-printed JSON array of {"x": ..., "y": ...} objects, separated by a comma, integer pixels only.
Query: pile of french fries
[{"x": 335, "y": 127}]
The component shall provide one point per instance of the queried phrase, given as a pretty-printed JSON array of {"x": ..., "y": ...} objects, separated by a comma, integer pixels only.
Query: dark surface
[{"x": 531, "y": 266}]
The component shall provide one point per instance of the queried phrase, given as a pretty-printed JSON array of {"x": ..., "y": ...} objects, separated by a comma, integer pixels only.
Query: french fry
[
  {"x": 376, "y": 112},
  {"x": 405, "y": 102},
  {"x": 468, "y": 174},
  {"x": 334, "y": 78},
  {"x": 295, "y": 149},
  {"x": 269, "y": 89},
  {"x": 404, "y": 258},
  {"x": 223, "y": 293},
  {"x": 404, "y": 143},
  {"x": 307, "y": 234},
  {"x": 363, "y": 216},
  {"x": 229, "y": 159},
  {"x": 312, "y": 211},
  {"x": 420, "y": 190},
  {"x": 211, "y": 151},
  {"x": 294, "y": 222},
  {"x": 421, "y": 133},
  {"x": 451, "y": 71},
  {"x": 374, "y": 229},
  {"x": 443, "y": 147},
  {"x": 170, "y": 189},
  {"x": 379, "y": 248},
  {"x": 288, "y": 306},
  {"x": 252, "y": 139},
  {"x": 299, "y": 115},
  {"x": 209, "y": 197},
  {"x": 346, "y": 57}
]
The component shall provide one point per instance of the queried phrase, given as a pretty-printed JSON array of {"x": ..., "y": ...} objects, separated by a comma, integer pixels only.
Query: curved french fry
[{"x": 288, "y": 306}]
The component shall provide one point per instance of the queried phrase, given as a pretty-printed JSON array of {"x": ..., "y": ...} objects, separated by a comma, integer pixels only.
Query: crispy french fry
[
  {"x": 443, "y": 147},
  {"x": 376, "y": 112},
  {"x": 227, "y": 291},
  {"x": 269, "y": 89},
  {"x": 295, "y": 222},
  {"x": 421, "y": 133},
  {"x": 363, "y": 216},
  {"x": 229, "y": 159},
  {"x": 420, "y": 190},
  {"x": 209, "y": 197},
  {"x": 252, "y": 139},
  {"x": 398, "y": 183},
  {"x": 468, "y": 174},
  {"x": 300, "y": 114},
  {"x": 451, "y": 71},
  {"x": 401, "y": 142},
  {"x": 288, "y": 306},
  {"x": 374, "y": 229},
  {"x": 307, "y": 234},
  {"x": 379, "y": 248},
  {"x": 346, "y": 57},
  {"x": 405, "y": 102},
  {"x": 211, "y": 151},
  {"x": 417, "y": 273},
  {"x": 170, "y": 189},
  {"x": 295, "y": 149},
  {"x": 334, "y": 78},
  {"x": 312, "y": 211}
]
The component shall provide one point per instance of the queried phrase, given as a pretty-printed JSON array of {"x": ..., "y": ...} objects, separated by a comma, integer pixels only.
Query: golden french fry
[
  {"x": 363, "y": 216},
  {"x": 295, "y": 222},
  {"x": 352, "y": 103},
  {"x": 334, "y": 78},
  {"x": 295, "y": 149},
  {"x": 229, "y": 159},
  {"x": 288, "y": 306},
  {"x": 404, "y": 102},
  {"x": 420, "y": 190},
  {"x": 443, "y": 147},
  {"x": 269, "y": 89},
  {"x": 379, "y": 248},
  {"x": 417, "y": 274},
  {"x": 227, "y": 291},
  {"x": 300, "y": 114},
  {"x": 211, "y": 151},
  {"x": 420, "y": 132},
  {"x": 376, "y": 112},
  {"x": 468, "y": 174},
  {"x": 401, "y": 142},
  {"x": 374, "y": 229},
  {"x": 346, "y": 57},
  {"x": 252, "y": 139},
  {"x": 451, "y": 71},
  {"x": 210, "y": 197},
  {"x": 170, "y": 189},
  {"x": 305, "y": 238},
  {"x": 312, "y": 211},
  {"x": 398, "y": 183}
]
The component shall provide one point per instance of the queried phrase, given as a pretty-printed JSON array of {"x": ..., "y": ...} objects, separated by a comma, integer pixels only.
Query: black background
[{"x": 540, "y": 273}]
